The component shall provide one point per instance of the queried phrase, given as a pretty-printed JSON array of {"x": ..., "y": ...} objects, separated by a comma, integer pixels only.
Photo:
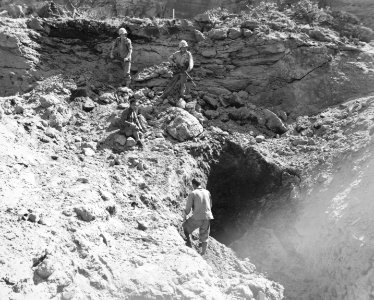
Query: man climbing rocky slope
[{"x": 86, "y": 215}]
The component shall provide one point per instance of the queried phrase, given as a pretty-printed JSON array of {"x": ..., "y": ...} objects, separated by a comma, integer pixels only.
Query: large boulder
[
  {"x": 181, "y": 125},
  {"x": 218, "y": 34},
  {"x": 273, "y": 122}
]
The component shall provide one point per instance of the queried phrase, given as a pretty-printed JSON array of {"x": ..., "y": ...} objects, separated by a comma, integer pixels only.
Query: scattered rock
[
  {"x": 85, "y": 213},
  {"x": 88, "y": 105},
  {"x": 142, "y": 226},
  {"x": 199, "y": 36},
  {"x": 181, "y": 103},
  {"x": 105, "y": 195},
  {"x": 88, "y": 152},
  {"x": 91, "y": 145},
  {"x": 260, "y": 138},
  {"x": 273, "y": 122},
  {"x": 111, "y": 209},
  {"x": 247, "y": 33},
  {"x": 250, "y": 24},
  {"x": 120, "y": 139},
  {"x": 235, "y": 33},
  {"x": 211, "y": 114},
  {"x": 68, "y": 295},
  {"x": 213, "y": 102},
  {"x": 32, "y": 218},
  {"x": 130, "y": 142},
  {"x": 51, "y": 132},
  {"x": 190, "y": 106},
  {"x": 211, "y": 52},
  {"x": 48, "y": 100},
  {"x": 45, "y": 269},
  {"x": 299, "y": 141},
  {"x": 35, "y": 24},
  {"x": 218, "y": 34},
  {"x": 107, "y": 98}
]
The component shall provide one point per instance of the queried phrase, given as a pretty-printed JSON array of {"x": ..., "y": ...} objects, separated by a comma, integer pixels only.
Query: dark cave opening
[{"x": 239, "y": 181}]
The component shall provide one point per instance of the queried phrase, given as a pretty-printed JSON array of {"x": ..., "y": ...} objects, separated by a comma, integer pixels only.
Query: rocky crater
[{"x": 278, "y": 127}]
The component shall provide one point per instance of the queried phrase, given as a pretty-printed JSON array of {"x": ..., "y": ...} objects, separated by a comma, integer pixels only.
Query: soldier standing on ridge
[
  {"x": 122, "y": 50},
  {"x": 200, "y": 201},
  {"x": 182, "y": 61}
]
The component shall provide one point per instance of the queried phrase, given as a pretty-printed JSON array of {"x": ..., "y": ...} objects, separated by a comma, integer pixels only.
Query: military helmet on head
[
  {"x": 122, "y": 31},
  {"x": 182, "y": 44}
]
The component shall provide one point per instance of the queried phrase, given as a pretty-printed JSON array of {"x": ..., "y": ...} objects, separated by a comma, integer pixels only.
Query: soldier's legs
[
  {"x": 183, "y": 81},
  {"x": 126, "y": 73},
  {"x": 204, "y": 231},
  {"x": 188, "y": 227}
]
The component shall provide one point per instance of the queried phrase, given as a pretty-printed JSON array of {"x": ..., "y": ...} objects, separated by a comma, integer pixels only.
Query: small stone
[
  {"x": 32, "y": 218},
  {"x": 247, "y": 32},
  {"x": 84, "y": 213},
  {"x": 105, "y": 195},
  {"x": 18, "y": 109},
  {"x": 42, "y": 221},
  {"x": 45, "y": 269},
  {"x": 35, "y": 24},
  {"x": 260, "y": 138},
  {"x": 181, "y": 103},
  {"x": 142, "y": 226},
  {"x": 48, "y": 100},
  {"x": 322, "y": 178},
  {"x": 235, "y": 33},
  {"x": 88, "y": 105},
  {"x": 211, "y": 101},
  {"x": 88, "y": 152},
  {"x": 261, "y": 296},
  {"x": 141, "y": 167},
  {"x": 51, "y": 132},
  {"x": 130, "y": 142},
  {"x": 91, "y": 145},
  {"x": 107, "y": 98},
  {"x": 67, "y": 295},
  {"x": 111, "y": 209}
]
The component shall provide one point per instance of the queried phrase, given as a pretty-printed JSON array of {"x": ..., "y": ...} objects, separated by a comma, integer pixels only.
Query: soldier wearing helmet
[
  {"x": 183, "y": 62},
  {"x": 121, "y": 50}
]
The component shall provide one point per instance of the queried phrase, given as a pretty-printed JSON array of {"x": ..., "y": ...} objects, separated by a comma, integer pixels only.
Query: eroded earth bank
[{"x": 279, "y": 127}]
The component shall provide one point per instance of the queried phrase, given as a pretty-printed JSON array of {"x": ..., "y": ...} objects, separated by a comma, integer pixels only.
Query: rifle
[{"x": 188, "y": 75}]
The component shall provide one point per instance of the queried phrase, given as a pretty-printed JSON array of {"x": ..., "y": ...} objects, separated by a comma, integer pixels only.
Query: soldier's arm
[
  {"x": 112, "y": 49},
  {"x": 190, "y": 62},
  {"x": 128, "y": 57},
  {"x": 189, "y": 204}
]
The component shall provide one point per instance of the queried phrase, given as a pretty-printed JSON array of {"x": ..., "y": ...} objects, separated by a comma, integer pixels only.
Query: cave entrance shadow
[{"x": 238, "y": 182}]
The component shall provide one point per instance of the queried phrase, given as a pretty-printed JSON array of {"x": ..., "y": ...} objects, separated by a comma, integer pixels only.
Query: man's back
[{"x": 201, "y": 203}]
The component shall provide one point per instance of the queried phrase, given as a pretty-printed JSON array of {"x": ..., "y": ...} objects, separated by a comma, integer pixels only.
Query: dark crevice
[{"x": 240, "y": 182}]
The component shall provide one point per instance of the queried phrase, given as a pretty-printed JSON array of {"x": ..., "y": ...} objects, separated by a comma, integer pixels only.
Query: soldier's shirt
[
  {"x": 200, "y": 202},
  {"x": 182, "y": 59},
  {"x": 122, "y": 47}
]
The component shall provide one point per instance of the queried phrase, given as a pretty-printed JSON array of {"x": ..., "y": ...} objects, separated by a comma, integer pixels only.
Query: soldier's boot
[
  {"x": 203, "y": 247},
  {"x": 188, "y": 239}
]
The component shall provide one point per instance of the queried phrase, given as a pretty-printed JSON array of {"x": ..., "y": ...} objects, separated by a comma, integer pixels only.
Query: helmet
[
  {"x": 122, "y": 31},
  {"x": 183, "y": 43}
]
